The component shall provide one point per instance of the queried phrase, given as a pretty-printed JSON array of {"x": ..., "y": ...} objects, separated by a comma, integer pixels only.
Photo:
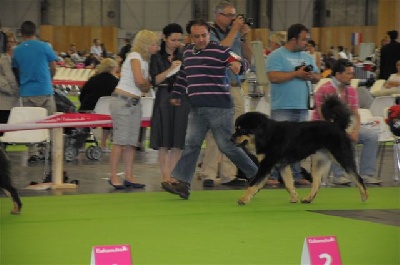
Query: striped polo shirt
[{"x": 203, "y": 76}]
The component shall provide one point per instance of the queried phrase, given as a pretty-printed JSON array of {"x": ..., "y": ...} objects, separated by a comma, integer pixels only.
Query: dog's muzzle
[
  {"x": 241, "y": 144},
  {"x": 233, "y": 138}
]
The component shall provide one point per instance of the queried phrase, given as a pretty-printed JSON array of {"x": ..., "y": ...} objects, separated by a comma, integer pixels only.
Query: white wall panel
[
  {"x": 73, "y": 13},
  {"x": 153, "y": 14},
  {"x": 14, "y": 12},
  {"x": 92, "y": 13},
  {"x": 288, "y": 12},
  {"x": 55, "y": 11}
]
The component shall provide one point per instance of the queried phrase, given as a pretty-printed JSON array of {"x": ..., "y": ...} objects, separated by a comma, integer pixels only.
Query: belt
[
  {"x": 235, "y": 84},
  {"x": 130, "y": 100}
]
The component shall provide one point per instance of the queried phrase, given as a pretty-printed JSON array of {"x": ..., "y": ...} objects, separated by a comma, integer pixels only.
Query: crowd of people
[{"x": 198, "y": 94}]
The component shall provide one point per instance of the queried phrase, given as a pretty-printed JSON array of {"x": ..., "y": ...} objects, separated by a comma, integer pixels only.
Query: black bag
[
  {"x": 393, "y": 119},
  {"x": 63, "y": 104}
]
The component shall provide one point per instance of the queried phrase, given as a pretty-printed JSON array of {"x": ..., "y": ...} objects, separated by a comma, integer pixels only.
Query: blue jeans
[
  {"x": 369, "y": 140},
  {"x": 296, "y": 115},
  {"x": 219, "y": 121}
]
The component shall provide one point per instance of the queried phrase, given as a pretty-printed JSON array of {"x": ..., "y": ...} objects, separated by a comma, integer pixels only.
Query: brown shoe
[
  {"x": 180, "y": 188},
  {"x": 302, "y": 181},
  {"x": 272, "y": 181}
]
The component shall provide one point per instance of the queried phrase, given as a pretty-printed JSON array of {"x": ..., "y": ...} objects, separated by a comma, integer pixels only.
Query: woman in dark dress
[
  {"x": 168, "y": 123},
  {"x": 100, "y": 85}
]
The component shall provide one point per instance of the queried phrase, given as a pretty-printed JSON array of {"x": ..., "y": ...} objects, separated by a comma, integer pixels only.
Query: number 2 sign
[{"x": 322, "y": 250}]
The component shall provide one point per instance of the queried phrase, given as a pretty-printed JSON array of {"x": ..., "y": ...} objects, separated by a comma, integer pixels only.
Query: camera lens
[
  {"x": 308, "y": 68},
  {"x": 249, "y": 21}
]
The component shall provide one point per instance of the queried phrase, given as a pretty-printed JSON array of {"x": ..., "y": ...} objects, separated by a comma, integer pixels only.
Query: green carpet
[
  {"x": 75, "y": 100},
  {"x": 207, "y": 229}
]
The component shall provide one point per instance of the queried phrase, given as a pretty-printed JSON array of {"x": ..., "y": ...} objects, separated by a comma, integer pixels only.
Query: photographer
[
  {"x": 291, "y": 71},
  {"x": 228, "y": 30}
]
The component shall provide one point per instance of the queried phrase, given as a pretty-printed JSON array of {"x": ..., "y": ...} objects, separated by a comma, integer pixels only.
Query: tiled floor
[{"x": 93, "y": 175}]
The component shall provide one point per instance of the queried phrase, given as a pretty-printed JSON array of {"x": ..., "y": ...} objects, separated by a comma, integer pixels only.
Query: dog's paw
[
  {"x": 294, "y": 198},
  {"x": 306, "y": 201},
  {"x": 15, "y": 211},
  {"x": 240, "y": 202},
  {"x": 364, "y": 197},
  {"x": 243, "y": 201}
]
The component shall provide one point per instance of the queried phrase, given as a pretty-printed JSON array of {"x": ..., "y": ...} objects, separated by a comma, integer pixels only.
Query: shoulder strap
[{"x": 214, "y": 28}]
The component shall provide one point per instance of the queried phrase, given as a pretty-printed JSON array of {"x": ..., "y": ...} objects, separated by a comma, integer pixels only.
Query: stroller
[{"x": 76, "y": 138}]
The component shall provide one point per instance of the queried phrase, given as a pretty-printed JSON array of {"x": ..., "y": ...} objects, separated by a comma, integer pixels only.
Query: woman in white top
[
  {"x": 125, "y": 107},
  {"x": 342, "y": 54},
  {"x": 276, "y": 40},
  {"x": 392, "y": 85},
  {"x": 314, "y": 54}
]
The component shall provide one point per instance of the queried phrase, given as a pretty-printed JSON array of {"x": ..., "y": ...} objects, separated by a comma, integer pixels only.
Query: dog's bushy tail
[{"x": 335, "y": 110}]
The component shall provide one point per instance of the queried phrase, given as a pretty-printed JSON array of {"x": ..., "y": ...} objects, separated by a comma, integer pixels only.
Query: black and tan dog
[
  {"x": 5, "y": 182},
  {"x": 283, "y": 143}
]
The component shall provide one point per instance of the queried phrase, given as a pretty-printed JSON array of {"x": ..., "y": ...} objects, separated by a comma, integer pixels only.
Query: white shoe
[
  {"x": 371, "y": 180},
  {"x": 340, "y": 180},
  {"x": 106, "y": 150}
]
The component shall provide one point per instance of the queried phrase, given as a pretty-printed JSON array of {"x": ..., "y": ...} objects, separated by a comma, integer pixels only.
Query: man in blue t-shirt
[
  {"x": 35, "y": 62},
  {"x": 288, "y": 70}
]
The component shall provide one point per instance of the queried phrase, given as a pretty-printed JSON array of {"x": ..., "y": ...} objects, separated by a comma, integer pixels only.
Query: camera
[
  {"x": 307, "y": 68},
  {"x": 247, "y": 20}
]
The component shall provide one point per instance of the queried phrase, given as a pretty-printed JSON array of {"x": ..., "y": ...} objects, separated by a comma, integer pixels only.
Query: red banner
[{"x": 62, "y": 120}]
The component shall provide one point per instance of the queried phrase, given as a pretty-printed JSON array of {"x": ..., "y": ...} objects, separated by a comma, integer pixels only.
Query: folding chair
[
  {"x": 103, "y": 106},
  {"x": 320, "y": 83},
  {"x": 380, "y": 104},
  {"x": 385, "y": 136},
  {"x": 59, "y": 73},
  {"x": 88, "y": 73},
  {"x": 82, "y": 75},
  {"x": 25, "y": 114},
  {"x": 74, "y": 74},
  {"x": 28, "y": 137},
  {"x": 355, "y": 82},
  {"x": 377, "y": 87}
]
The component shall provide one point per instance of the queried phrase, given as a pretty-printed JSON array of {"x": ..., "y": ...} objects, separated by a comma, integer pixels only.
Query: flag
[{"x": 356, "y": 38}]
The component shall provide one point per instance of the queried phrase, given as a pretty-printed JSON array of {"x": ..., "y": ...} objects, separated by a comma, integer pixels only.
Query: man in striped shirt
[
  {"x": 203, "y": 76},
  {"x": 229, "y": 29},
  {"x": 342, "y": 73}
]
